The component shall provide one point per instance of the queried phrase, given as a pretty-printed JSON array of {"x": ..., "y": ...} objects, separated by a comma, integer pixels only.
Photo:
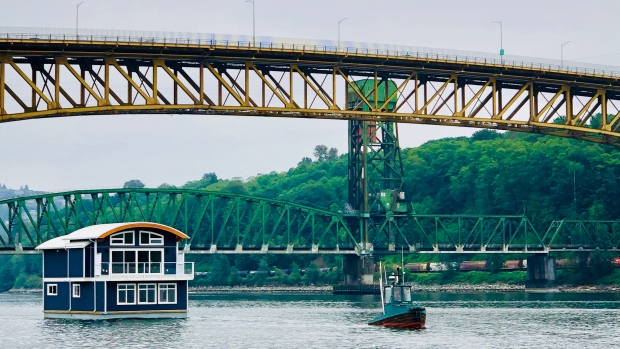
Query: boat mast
[
  {"x": 402, "y": 263},
  {"x": 381, "y": 288}
]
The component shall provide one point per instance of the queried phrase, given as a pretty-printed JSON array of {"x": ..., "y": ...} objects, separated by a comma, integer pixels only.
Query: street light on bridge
[
  {"x": 339, "y": 21},
  {"x": 501, "y": 41},
  {"x": 253, "y": 23},
  {"x": 562, "y": 53},
  {"x": 77, "y": 16}
]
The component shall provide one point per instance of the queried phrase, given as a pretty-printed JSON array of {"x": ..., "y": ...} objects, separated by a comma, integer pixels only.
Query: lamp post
[
  {"x": 77, "y": 17},
  {"x": 339, "y": 21},
  {"x": 501, "y": 41},
  {"x": 562, "y": 53},
  {"x": 253, "y": 23}
]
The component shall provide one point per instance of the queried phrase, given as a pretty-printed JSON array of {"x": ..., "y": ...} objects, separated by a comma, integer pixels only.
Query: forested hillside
[{"x": 545, "y": 177}]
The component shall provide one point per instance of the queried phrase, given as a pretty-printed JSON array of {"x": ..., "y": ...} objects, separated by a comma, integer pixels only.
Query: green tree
[
  {"x": 209, "y": 178},
  {"x": 7, "y": 277},
  {"x": 295, "y": 277},
  {"x": 332, "y": 154},
  {"x": 320, "y": 152},
  {"x": 133, "y": 183},
  {"x": 312, "y": 275},
  {"x": 166, "y": 186}
]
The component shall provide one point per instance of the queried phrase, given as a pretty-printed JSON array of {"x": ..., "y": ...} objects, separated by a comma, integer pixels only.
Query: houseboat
[{"x": 120, "y": 270}]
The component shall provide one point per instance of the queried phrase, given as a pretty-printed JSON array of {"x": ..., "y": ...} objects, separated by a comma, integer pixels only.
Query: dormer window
[
  {"x": 150, "y": 238},
  {"x": 123, "y": 238}
]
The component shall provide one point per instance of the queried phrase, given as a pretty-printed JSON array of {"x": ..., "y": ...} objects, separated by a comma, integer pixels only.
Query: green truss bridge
[{"x": 233, "y": 224}]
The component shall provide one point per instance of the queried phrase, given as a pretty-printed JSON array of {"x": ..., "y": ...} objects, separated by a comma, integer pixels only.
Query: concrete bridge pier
[
  {"x": 358, "y": 270},
  {"x": 541, "y": 271}
]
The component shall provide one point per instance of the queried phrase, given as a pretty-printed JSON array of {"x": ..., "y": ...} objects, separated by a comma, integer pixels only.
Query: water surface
[{"x": 496, "y": 320}]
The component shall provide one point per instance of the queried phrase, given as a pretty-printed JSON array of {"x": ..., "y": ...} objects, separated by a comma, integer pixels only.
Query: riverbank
[{"x": 447, "y": 288}]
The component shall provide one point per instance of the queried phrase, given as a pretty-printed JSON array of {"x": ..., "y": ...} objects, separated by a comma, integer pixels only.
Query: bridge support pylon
[
  {"x": 541, "y": 271},
  {"x": 376, "y": 181},
  {"x": 358, "y": 270}
]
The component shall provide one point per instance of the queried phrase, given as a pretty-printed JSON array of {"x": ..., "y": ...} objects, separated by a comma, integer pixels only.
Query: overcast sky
[{"x": 105, "y": 151}]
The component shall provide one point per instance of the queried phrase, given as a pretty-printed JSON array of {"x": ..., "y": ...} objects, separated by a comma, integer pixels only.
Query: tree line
[{"x": 500, "y": 173}]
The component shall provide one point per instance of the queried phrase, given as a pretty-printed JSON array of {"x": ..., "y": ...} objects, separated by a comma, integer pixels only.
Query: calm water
[{"x": 515, "y": 320}]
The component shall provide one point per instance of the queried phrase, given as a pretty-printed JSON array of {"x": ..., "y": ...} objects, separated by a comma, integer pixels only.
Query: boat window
[
  {"x": 147, "y": 293},
  {"x": 52, "y": 289},
  {"x": 167, "y": 293},
  {"x": 387, "y": 295},
  {"x": 149, "y": 238},
  {"x": 122, "y": 238},
  {"x": 407, "y": 295},
  {"x": 137, "y": 261},
  {"x": 76, "y": 290},
  {"x": 126, "y": 294},
  {"x": 398, "y": 291}
]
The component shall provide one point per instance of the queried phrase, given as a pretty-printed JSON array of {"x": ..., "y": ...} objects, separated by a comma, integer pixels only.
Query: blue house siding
[
  {"x": 86, "y": 301},
  {"x": 61, "y": 300},
  {"x": 55, "y": 262},
  {"x": 181, "y": 303},
  {"x": 76, "y": 262},
  {"x": 89, "y": 261}
]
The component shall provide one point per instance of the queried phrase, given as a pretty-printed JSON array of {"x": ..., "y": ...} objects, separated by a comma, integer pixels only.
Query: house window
[
  {"x": 126, "y": 294},
  {"x": 123, "y": 238},
  {"x": 148, "y": 238},
  {"x": 137, "y": 261},
  {"x": 167, "y": 293},
  {"x": 147, "y": 293},
  {"x": 52, "y": 289},
  {"x": 76, "y": 290}
]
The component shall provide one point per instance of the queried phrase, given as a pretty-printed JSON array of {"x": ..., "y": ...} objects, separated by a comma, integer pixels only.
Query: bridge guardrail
[{"x": 146, "y": 40}]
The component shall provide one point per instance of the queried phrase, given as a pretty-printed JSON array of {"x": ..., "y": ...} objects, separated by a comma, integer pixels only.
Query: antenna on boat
[
  {"x": 381, "y": 288},
  {"x": 402, "y": 262}
]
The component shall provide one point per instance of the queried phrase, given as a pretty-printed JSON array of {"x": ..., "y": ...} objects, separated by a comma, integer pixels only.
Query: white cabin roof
[
  {"x": 83, "y": 237},
  {"x": 62, "y": 243}
]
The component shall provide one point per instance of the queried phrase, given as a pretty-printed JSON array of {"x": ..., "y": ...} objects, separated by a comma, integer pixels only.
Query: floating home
[{"x": 111, "y": 271}]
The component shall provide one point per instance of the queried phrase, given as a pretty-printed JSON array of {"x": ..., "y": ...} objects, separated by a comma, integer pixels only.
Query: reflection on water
[{"x": 496, "y": 320}]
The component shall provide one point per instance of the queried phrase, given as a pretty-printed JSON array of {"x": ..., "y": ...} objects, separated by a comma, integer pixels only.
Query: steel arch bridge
[
  {"x": 55, "y": 75},
  {"x": 225, "y": 223},
  {"x": 216, "y": 222}
]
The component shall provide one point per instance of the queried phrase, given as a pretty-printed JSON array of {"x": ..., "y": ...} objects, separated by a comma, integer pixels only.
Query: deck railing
[
  {"x": 144, "y": 268},
  {"x": 194, "y": 39}
]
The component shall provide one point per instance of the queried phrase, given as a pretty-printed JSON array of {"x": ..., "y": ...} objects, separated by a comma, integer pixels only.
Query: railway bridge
[{"x": 59, "y": 75}]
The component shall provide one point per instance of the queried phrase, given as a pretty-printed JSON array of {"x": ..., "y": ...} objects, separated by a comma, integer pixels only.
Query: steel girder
[
  {"x": 216, "y": 222},
  {"x": 231, "y": 223},
  {"x": 463, "y": 234},
  {"x": 577, "y": 235},
  {"x": 51, "y": 78}
]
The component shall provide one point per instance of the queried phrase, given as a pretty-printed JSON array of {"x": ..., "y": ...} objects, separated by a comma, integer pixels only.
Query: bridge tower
[{"x": 375, "y": 176}]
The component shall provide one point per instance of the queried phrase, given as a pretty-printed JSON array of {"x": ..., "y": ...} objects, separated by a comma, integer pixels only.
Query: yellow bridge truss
[{"x": 54, "y": 77}]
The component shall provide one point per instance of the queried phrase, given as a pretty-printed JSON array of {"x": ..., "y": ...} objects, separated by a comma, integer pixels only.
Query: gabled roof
[{"x": 80, "y": 238}]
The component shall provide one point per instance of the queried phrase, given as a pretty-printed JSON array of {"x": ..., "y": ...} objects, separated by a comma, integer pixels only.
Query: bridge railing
[{"x": 310, "y": 47}]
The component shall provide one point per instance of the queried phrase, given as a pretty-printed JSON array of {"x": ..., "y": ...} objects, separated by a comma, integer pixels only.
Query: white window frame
[
  {"x": 124, "y": 243},
  {"x": 118, "y": 292},
  {"x": 52, "y": 289},
  {"x": 145, "y": 288},
  {"x": 76, "y": 290},
  {"x": 136, "y": 263},
  {"x": 151, "y": 236},
  {"x": 167, "y": 287}
]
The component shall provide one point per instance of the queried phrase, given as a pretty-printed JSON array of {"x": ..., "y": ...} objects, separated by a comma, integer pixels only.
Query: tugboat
[{"x": 399, "y": 311}]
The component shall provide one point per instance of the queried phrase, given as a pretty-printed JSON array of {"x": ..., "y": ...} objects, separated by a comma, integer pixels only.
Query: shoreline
[{"x": 446, "y": 288}]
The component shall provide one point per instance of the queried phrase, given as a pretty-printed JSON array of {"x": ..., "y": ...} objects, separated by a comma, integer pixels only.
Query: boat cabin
[
  {"x": 120, "y": 270},
  {"x": 395, "y": 291}
]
